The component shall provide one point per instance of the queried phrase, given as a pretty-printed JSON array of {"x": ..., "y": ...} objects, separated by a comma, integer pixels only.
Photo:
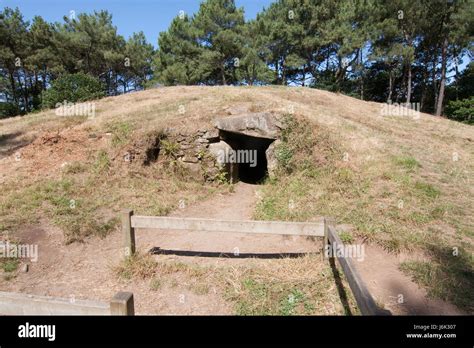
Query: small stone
[
  {"x": 211, "y": 135},
  {"x": 190, "y": 159},
  {"x": 25, "y": 268},
  {"x": 193, "y": 167}
]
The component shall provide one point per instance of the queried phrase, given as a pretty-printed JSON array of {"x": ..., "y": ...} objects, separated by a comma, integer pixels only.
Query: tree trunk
[
  {"x": 409, "y": 85},
  {"x": 390, "y": 86},
  {"x": 304, "y": 76},
  {"x": 456, "y": 78},
  {"x": 435, "y": 88},
  {"x": 224, "y": 82},
  {"x": 13, "y": 87},
  {"x": 439, "y": 106}
]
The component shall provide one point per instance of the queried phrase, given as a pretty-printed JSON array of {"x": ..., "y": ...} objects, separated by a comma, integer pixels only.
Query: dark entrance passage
[{"x": 250, "y": 153}]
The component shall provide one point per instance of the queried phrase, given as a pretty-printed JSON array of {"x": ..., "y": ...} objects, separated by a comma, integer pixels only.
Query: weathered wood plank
[
  {"x": 23, "y": 304},
  {"x": 362, "y": 295},
  {"x": 211, "y": 225},
  {"x": 128, "y": 232},
  {"x": 122, "y": 304}
]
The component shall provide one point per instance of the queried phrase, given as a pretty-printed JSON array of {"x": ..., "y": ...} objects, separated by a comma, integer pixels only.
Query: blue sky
[{"x": 149, "y": 16}]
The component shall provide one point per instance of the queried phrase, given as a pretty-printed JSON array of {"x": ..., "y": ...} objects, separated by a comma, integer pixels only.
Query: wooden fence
[
  {"x": 22, "y": 304},
  {"x": 364, "y": 299},
  {"x": 322, "y": 227}
]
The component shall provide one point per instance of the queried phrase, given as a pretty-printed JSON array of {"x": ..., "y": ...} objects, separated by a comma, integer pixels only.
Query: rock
[
  {"x": 25, "y": 268},
  {"x": 262, "y": 124},
  {"x": 217, "y": 150},
  {"x": 194, "y": 168},
  {"x": 212, "y": 135},
  {"x": 237, "y": 109},
  {"x": 272, "y": 161},
  {"x": 190, "y": 159}
]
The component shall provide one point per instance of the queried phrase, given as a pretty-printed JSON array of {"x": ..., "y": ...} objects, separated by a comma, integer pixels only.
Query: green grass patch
[
  {"x": 102, "y": 162},
  {"x": 121, "y": 132},
  {"x": 427, "y": 189},
  {"x": 447, "y": 276},
  {"x": 75, "y": 168},
  {"x": 61, "y": 201},
  {"x": 9, "y": 265},
  {"x": 407, "y": 162}
]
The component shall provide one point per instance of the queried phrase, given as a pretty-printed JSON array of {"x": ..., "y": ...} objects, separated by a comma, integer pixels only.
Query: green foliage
[
  {"x": 407, "y": 162},
  {"x": 284, "y": 155},
  {"x": 170, "y": 148},
  {"x": 296, "y": 146},
  {"x": 427, "y": 189},
  {"x": 73, "y": 88},
  {"x": 120, "y": 133},
  {"x": 102, "y": 162},
  {"x": 461, "y": 110},
  {"x": 8, "y": 110},
  {"x": 34, "y": 54},
  {"x": 448, "y": 276},
  {"x": 367, "y": 49},
  {"x": 9, "y": 265}
]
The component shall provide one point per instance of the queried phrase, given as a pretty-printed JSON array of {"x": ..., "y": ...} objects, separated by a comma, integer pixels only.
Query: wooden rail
[
  {"x": 22, "y": 304},
  {"x": 364, "y": 299},
  {"x": 130, "y": 222}
]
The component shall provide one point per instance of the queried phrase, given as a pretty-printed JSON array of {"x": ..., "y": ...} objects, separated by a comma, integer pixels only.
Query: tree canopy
[{"x": 404, "y": 51}]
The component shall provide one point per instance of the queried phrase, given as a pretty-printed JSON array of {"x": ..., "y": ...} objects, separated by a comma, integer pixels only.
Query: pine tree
[
  {"x": 219, "y": 31},
  {"x": 178, "y": 55}
]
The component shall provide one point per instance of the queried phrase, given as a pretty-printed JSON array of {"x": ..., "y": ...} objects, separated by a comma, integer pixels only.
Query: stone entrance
[{"x": 251, "y": 136}]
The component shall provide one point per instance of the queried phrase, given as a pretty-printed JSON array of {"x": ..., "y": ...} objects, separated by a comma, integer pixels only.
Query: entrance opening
[{"x": 252, "y": 162}]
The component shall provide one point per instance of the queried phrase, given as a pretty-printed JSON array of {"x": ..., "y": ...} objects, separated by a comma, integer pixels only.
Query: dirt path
[
  {"x": 394, "y": 289},
  {"x": 238, "y": 205}
]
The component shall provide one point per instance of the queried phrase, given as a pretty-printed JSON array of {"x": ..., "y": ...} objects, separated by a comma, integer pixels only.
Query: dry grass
[{"x": 302, "y": 286}]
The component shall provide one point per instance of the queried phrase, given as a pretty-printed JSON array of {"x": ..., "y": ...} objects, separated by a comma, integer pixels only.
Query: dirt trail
[
  {"x": 390, "y": 286},
  {"x": 238, "y": 205}
]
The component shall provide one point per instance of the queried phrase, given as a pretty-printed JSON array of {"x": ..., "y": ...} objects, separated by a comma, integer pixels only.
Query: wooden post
[
  {"x": 122, "y": 304},
  {"x": 328, "y": 221},
  {"x": 128, "y": 232}
]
